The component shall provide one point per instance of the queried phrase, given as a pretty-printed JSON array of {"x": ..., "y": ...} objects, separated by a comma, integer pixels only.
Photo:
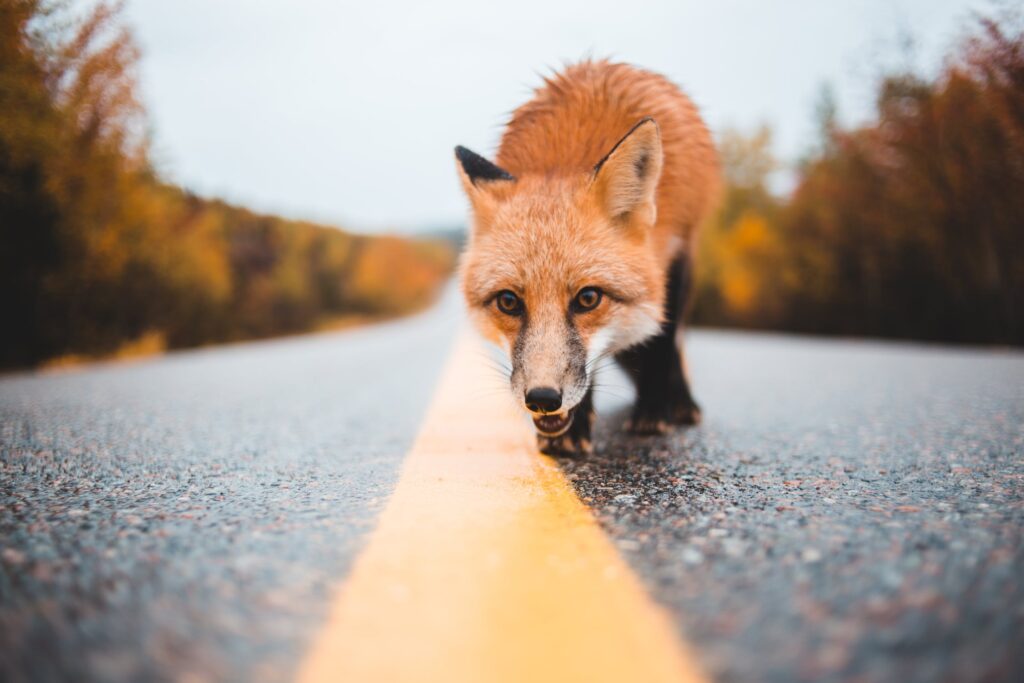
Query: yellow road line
[{"x": 486, "y": 567}]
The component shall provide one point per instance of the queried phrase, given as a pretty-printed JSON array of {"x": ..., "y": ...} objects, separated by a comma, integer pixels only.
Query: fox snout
[
  {"x": 549, "y": 368},
  {"x": 543, "y": 400}
]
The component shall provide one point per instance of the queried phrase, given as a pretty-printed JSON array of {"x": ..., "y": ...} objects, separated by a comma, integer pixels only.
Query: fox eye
[
  {"x": 587, "y": 299},
  {"x": 509, "y": 303}
]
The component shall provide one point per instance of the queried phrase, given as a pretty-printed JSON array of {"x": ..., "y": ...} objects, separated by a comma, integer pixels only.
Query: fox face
[{"x": 560, "y": 271}]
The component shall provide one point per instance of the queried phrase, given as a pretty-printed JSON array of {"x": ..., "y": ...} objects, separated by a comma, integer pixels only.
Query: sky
[{"x": 346, "y": 112}]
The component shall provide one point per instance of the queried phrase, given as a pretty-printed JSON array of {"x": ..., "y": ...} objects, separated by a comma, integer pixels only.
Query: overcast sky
[{"x": 346, "y": 112}]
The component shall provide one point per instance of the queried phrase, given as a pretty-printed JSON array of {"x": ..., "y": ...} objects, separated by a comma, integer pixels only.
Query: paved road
[
  {"x": 186, "y": 518},
  {"x": 848, "y": 511}
]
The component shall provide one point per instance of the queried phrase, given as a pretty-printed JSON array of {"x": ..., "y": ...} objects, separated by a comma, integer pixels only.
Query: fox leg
[
  {"x": 576, "y": 440},
  {"x": 663, "y": 395}
]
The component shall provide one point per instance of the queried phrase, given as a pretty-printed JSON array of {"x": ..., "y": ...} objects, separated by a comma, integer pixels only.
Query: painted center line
[{"x": 486, "y": 567}]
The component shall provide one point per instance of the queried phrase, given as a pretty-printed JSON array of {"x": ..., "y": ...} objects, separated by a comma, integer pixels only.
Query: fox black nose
[{"x": 543, "y": 400}]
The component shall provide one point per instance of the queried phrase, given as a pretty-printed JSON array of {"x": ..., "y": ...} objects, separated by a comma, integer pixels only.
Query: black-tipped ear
[
  {"x": 626, "y": 180},
  {"x": 479, "y": 169}
]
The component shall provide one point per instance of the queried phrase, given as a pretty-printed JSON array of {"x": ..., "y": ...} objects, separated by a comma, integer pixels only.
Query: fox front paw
[
  {"x": 569, "y": 444},
  {"x": 686, "y": 414},
  {"x": 647, "y": 425},
  {"x": 652, "y": 422}
]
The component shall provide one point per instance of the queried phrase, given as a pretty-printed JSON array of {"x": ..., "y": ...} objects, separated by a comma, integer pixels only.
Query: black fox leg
[
  {"x": 576, "y": 440},
  {"x": 663, "y": 393}
]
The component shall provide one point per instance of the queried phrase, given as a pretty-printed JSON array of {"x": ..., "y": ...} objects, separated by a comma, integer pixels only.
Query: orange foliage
[
  {"x": 910, "y": 226},
  {"x": 96, "y": 252}
]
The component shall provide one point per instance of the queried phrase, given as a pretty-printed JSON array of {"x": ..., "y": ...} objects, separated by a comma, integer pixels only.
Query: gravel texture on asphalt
[
  {"x": 186, "y": 518},
  {"x": 848, "y": 511}
]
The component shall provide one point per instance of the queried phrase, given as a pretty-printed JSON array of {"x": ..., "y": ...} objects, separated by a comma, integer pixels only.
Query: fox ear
[
  {"x": 626, "y": 180},
  {"x": 478, "y": 173}
]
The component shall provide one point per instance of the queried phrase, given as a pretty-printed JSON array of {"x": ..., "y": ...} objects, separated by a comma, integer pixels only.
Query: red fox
[{"x": 582, "y": 244}]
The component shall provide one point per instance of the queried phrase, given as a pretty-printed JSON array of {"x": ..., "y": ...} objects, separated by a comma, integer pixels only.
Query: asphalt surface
[
  {"x": 848, "y": 510},
  {"x": 186, "y": 518}
]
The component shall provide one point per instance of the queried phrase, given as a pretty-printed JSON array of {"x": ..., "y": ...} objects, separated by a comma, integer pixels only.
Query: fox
[{"x": 582, "y": 242}]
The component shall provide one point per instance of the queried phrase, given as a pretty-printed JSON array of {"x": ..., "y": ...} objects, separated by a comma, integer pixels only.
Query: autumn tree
[
  {"x": 742, "y": 278},
  {"x": 916, "y": 218},
  {"x": 907, "y": 226},
  {"x": 95, "y": 250}
]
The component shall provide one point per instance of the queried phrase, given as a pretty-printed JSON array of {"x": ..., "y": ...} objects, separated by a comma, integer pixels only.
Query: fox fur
[{"x": 599, "y": 185}]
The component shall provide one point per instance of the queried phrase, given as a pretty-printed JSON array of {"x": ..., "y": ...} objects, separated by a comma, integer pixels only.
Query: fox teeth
[{"x": 553, "y": 425}]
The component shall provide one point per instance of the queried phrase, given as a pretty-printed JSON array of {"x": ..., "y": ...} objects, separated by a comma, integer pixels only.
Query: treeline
[
  {"x": 911, "y": 226},
  {"x": 96, "y": 251}
]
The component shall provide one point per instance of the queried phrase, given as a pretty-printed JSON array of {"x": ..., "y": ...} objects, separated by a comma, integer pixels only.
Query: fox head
[{"x": 559, "y": 270}]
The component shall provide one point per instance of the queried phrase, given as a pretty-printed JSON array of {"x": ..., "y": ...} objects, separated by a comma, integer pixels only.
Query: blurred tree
[
  {"x": 29, "y": 214},
  {"x": 741, "y": 277},
  {"x": 96, "y": 252},
  {"x": 921, "y": 211},
  {"x": 908, "y": 226}
]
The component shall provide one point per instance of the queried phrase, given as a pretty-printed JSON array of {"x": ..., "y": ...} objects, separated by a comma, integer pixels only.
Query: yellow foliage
[
  {"x": 396, "y": 275},
  {"x": 740, "y": 262},
  {"x": 149, "y": 344},
  {"x": 740, "y": 292}
]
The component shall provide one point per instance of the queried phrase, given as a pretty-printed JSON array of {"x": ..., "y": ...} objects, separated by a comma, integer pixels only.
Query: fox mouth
[{"x": 555, "y": 424}]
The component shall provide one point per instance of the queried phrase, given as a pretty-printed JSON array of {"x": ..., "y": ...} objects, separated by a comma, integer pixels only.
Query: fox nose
[{"x": 543, "y": 400}]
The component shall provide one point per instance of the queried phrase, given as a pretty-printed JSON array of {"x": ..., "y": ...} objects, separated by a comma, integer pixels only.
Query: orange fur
[
  {"x": 579, "y": 115},
  {"x": 560, "y": 225}
]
